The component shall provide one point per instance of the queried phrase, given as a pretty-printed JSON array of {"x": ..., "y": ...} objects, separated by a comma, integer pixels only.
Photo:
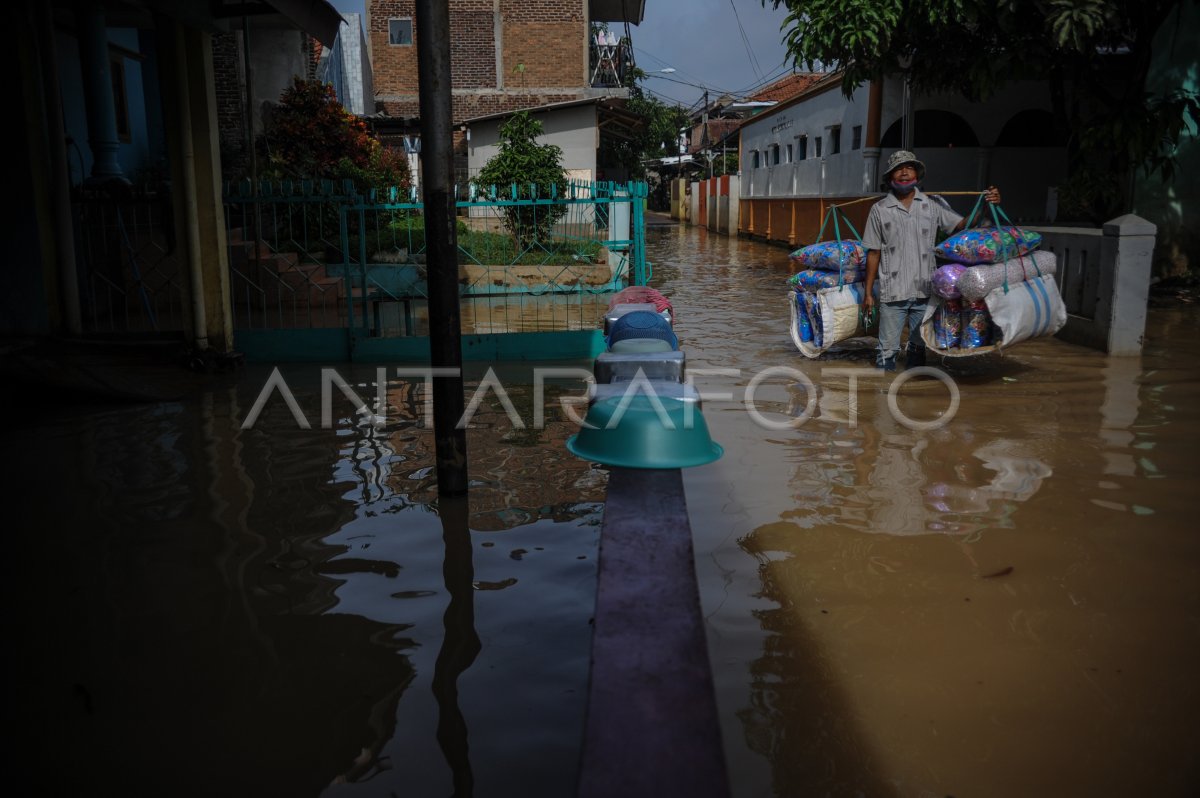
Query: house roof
[
  {"x": 614, "y": 117},
  {"x": 787, "y": 87},
  {"x": 821, "y": 82}
]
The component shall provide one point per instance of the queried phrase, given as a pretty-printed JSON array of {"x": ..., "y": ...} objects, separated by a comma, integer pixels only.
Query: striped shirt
[{"x": 904, "y": 238}]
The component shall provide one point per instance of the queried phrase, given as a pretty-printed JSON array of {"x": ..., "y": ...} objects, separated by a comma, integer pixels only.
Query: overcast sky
[{"x": 703, "y": 42}]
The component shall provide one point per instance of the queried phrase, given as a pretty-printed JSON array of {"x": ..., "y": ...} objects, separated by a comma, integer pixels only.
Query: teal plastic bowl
[
  {"x": 640, "y": 437},
  {"x": 640, "y": 346}
]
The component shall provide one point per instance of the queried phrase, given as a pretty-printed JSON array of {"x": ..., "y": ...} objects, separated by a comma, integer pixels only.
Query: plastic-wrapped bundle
[
  {"x": 987, "y": 244},
  {"x": 948, "y": 325},
  {"x": 945, "y": 280},
  {"x": 979, "y": 281},
  {"x": 803, "y": 320},
  {"x": 976, "y": 325},
  {"x": 814, "y": 314},
  {"x": 1029, "y": 309},
  {"x": 830, "y": 255},
  {"x": 833, "y": 315},
  {"x": 816, "y": 279}
]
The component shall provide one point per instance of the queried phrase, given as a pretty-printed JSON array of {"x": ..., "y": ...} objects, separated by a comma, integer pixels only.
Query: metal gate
[{"x": 318, "y": 270}]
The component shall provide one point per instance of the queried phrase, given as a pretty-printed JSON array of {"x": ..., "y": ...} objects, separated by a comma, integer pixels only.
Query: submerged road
[{"x": 1005, "y": 605}]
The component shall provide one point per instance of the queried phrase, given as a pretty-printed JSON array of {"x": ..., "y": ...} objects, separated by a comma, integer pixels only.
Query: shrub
[{"x": 522, "y": 161}]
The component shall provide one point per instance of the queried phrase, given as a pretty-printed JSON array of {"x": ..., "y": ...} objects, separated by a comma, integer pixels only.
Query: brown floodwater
[{"x": 1005, "y": 604}]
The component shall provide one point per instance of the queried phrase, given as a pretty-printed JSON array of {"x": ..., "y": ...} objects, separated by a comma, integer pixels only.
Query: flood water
[{"x": 1007, "y": 604}]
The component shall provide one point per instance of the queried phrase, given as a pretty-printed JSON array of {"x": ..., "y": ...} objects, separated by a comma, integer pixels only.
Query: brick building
[{"x": 506, "y": 55}]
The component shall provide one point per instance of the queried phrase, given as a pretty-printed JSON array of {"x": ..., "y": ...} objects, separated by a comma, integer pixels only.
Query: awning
[
  {"x": 317, "y": 18},
  {"x": 631, "y": 11}
]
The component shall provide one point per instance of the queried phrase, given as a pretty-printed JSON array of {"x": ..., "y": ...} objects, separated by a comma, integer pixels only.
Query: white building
[{"x": 820, "y": 147}]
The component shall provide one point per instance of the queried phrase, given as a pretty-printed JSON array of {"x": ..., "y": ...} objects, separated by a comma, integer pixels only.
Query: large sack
[
  {"x": 830, "y": 256},
  {"x": 979, "y": 281},
  {"x": 832, "y": 316},
  {"x": 1030, "y": 309},
  {"x": 987, "y": 244}
]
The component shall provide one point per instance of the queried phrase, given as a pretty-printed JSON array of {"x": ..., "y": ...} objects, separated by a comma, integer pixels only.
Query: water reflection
[
  {"x": 856, "y": 464},
  {"x": 460, "y": 643},
  {"x": 290, "y": 606}
]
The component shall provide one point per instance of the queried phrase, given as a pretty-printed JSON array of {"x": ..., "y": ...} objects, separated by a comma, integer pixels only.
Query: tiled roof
[{"x": 787, "y": 87}]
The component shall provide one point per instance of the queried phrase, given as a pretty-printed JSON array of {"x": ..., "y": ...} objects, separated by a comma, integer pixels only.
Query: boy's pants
[{"x": 893, "y": 317}]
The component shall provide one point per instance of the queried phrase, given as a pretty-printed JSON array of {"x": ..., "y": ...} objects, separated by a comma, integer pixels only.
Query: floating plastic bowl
[
  {"x": 641, "y": 437},
  {"x": 642, "y": 324},
  {"x": 641, "y": 346}
]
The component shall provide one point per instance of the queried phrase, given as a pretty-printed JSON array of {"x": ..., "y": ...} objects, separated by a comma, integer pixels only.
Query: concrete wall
[
  {"x": 277, "y": 56},
  {"x": 573, "y": 129},
  {"x": 347, "y": 67},
  {"x": 1104, "y": 278}
]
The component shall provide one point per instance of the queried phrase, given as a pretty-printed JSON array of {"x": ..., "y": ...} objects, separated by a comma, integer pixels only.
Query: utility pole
[
  {"x": 437, "y": 164},
  {"x": 704, "y": 140}
]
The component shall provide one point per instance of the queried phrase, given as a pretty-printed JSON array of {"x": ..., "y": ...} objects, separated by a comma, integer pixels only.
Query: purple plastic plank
[{"x": 652, "y": 726}]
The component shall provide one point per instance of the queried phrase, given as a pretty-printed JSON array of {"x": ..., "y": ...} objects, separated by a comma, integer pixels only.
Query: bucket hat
[{"x": 898, "y": 159}]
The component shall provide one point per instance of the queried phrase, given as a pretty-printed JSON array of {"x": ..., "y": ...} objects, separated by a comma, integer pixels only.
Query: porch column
[
  {"x": 98, "y": 94},
  {"x": 984, "y": 167},
  {"x": 190, "y": 110},
  {"x": 871, "y": 148}
]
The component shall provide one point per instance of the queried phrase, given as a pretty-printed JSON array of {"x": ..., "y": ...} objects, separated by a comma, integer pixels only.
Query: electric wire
[{"x": 753, "y": 60}]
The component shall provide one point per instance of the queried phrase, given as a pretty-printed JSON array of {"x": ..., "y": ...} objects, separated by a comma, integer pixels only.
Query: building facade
[
  {"x": 506, "y": 55},
  {"x": 820, "y": 148}
]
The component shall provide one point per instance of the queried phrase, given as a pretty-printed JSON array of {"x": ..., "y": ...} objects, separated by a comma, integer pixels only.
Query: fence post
[
  {"x": 637, "y": 199},
  {"x": 1126, "y": 251}
]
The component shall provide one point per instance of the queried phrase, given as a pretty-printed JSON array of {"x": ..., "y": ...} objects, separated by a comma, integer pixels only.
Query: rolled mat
[
  {"x": 979, "y": 281},
  {"x": 638, "y": 294}
]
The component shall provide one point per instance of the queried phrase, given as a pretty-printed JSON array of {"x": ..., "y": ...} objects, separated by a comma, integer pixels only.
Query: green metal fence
[{"x": 311, "y": 256}]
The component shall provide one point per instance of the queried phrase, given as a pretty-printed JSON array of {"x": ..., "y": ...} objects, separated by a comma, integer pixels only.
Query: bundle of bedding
[
  {"x": 961, "y": 327},
  {"x": 998, "y": 289},
  {"x": 815, "y": 279},
  {"x": 822, "y": 318},
  {"x": 830, "y": 256}
]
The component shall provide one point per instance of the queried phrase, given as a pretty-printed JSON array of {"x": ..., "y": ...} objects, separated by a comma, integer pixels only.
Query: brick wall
[
  {"x": 552, "y": 54},
  {"x": 395, "y": 67},
  {"x": 231, "y": 120},
  {"x": 473, "y": 49},
  {"x": 542, "y": 58}
]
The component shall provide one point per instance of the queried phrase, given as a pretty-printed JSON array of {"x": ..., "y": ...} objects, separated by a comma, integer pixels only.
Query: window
[
  {"x": 803, "y": 140},
  {"x": 789, "y": 154},
  {"x": 835, "y": 140},
  {"x": 120, "y": 99},
  {"x": 774, "y": 155},
  {"x": 400, "y": 31},
  {"x": 856, "y": 137},
  {"x": 754, "y": 159},
  {"x": 817, "y": 148}
]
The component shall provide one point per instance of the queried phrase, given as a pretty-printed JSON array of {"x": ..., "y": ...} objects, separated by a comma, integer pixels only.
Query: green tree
[
  {"x": 659, "y": 136},
  {"x": 1095, "y": 54},
  {"x": 532, "y": 169},
  {"x": 310, "y": 136}
]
